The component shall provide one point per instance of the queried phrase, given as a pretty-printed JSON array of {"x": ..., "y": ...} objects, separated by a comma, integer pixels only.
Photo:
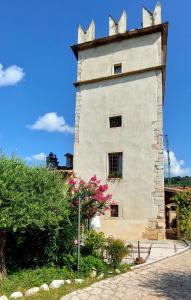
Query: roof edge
[{"x": 163, "y": 28}]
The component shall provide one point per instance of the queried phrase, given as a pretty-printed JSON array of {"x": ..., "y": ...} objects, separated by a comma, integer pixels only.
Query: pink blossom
[
  {"x": 109, "y": 197},
  {"x": 88, "y": 185},
  {"x": 74, "y": 190},
  {"x": 103, "y": 188},
  {"x": 94, "y": 178},
  {"x": 71, "y": 182},
  {"x": 82, "y": 182}
]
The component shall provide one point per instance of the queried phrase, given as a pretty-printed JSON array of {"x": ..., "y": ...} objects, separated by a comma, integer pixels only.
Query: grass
[
  {"x": 25, "y": 279},
  {"x": 62, "y": 291}
]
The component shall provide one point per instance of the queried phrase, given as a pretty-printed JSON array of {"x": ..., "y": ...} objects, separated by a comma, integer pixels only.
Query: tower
[{"x": 119, "y": 121}]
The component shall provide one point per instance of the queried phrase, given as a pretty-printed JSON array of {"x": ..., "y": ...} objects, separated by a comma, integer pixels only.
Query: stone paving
[
  {"x": 160, "y": 249},
  {"x": 166, "y": 279}
]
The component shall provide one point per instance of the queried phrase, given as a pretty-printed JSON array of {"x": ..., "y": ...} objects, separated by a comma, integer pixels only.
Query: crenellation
[
  {"x": 118, "y": 27},
  {"x": 86, "y": 36},
  {"x": 149, "y": 18}
]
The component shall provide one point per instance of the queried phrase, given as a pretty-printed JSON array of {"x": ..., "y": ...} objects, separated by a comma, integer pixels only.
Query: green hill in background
[{"x": 179, "y": 181}]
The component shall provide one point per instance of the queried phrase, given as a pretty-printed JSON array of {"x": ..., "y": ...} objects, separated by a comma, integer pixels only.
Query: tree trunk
[{"x": 2, "y": 253}]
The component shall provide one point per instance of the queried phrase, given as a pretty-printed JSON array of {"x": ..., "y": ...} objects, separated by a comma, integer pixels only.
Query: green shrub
[
  {"x": 116, "y": 251},
  {"x": 70, "y": 261},
  {"x": 91, "y": 262},
  {"x": 123, "y": 267},
  {"x": 94, "y": 243},
  {"x": 183, "y": 201},
  {"x": 40, "y": 247}
]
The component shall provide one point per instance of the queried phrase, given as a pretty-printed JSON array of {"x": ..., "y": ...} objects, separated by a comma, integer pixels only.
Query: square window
[
  {"x": 114, "y": 211},
  {"x": 115, "y": 165},
  {"x": 115, "y": 121},
  {"x": 118, "y": 69}
]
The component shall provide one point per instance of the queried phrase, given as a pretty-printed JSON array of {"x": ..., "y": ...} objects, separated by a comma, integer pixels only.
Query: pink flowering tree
[{"x": 94, "y": 199}]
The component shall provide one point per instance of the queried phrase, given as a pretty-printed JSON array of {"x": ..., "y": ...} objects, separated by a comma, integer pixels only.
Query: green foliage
[
  {"x": 22, "y": 280},
  {"x": 88, "y": 263},
  {"x": 179, "y": 181},
  {"x": 123, "y": 267},
  {"x": 70, "y": 261},
  {"x": 116, "y": 251},
  {"x": 183, "y": 201},
  {"x": 94, "y": 243},
  {"x": 33, "y": 203},
  {"x": 40, "y": 247},
  {"x": 29, "y": 196}
]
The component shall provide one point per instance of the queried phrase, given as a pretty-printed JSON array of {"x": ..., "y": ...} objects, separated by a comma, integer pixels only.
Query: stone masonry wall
[{"x": 156, "y": 227}]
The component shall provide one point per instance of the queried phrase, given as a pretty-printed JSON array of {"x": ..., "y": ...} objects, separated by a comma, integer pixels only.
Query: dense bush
[
  {"x": 31, "y": 198},
  {"x": 36, "y": 248},
  {"x": 183, "y": 201},
  {"x": 94, "y": 243},
  {"x": 116, "y": 251},
  {"x": 88, "y": 263},
  {"x": 70, "y": 261}
]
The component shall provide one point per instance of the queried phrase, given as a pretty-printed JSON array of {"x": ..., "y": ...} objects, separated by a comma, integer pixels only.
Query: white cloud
[
  {"x": 177, "y": 166},
  {"x": 10, "y": 76},
  {"x": 51, "y": 122},
  {"x": 36, "y": 157}
]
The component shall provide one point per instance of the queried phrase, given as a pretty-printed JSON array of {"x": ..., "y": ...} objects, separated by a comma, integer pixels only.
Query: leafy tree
[
  {"x": 93, "y": 198},
  {"x": 30, "y": 197}
]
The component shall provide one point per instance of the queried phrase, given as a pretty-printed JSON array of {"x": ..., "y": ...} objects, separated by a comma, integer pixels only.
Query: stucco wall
[
  {"x": 134, "y": 54},
  {"x": 138, "y": 99}
]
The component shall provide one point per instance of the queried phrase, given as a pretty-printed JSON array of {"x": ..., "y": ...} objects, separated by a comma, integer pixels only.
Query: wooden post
[{"x": 139, "y": 254}]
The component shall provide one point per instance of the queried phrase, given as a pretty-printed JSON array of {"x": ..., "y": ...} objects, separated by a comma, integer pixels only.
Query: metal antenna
[{"x": 168, "y": 156}]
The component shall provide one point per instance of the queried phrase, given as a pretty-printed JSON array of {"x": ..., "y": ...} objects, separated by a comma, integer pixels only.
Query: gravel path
[{"x": 168, "y": 279}]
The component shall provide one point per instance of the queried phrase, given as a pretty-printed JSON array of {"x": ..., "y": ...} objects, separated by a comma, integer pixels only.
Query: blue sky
[{"x": 38, "y": 68}]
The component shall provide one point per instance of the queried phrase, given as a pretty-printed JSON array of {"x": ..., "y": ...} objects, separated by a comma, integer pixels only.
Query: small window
[
  {"x": 114, "y": 211},
  {"x": 115, "y": 165},
  {"x": 115, "y": 121},
  {"x": 118, "y": 69}
]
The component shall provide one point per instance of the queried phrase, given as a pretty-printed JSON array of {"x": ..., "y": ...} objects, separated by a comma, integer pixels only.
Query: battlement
[{"x": 148, "y": 19}]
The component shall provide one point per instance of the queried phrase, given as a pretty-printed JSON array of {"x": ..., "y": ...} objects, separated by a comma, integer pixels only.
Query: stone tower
[{"x": 119, "y": 121}]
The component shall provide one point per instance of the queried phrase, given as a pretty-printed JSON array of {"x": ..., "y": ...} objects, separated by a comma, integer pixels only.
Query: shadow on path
[{"x": 172, "y": 285}]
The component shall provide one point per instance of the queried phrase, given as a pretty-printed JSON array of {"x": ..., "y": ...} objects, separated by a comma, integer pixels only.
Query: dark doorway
[{"x": 170, "y": 215}]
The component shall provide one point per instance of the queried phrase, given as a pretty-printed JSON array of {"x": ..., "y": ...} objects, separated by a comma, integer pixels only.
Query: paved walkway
[
  {"x": 159, "y": 250},
  {"x": 167, "y": 279}
]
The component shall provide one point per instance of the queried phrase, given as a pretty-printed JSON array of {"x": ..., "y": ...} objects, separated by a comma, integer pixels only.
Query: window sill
[
  {"x": 115, "y": 178},
  {"x": 115, "y": 127}
]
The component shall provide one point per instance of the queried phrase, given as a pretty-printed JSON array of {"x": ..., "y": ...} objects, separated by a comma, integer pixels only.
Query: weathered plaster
[
  {"x": 134, "y": 54},
  {"x": 138, "y": 98}
]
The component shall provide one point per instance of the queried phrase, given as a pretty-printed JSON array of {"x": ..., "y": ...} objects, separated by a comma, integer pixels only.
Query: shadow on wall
[{"x": 172, "y": 285}]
